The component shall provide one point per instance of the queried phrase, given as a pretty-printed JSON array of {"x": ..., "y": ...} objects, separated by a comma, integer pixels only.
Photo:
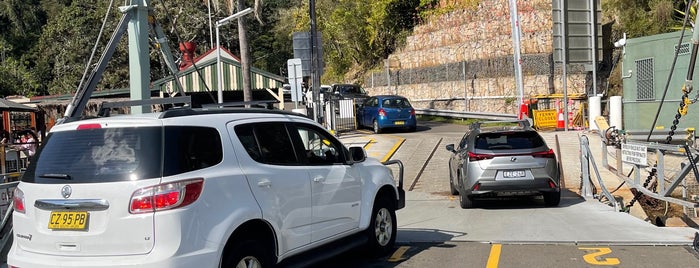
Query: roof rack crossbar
[
  {"x": 525, "y": 123},
  {"x": 269, "y": 104},
  {"x": 106, "y": 107}
]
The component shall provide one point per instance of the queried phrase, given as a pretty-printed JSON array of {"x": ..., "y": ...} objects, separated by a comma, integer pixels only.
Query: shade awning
[{"x": 6, "y": 105}]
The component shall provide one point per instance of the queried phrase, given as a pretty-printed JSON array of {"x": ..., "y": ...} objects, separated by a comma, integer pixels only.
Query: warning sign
[
  {"x": 545, "y": 118},
  {"x": 634, "y": 154}
]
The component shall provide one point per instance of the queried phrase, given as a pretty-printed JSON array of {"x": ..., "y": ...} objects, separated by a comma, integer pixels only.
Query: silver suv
[
  {"x": 503, "y": 161},
  {"x": 197, "y": 188}
]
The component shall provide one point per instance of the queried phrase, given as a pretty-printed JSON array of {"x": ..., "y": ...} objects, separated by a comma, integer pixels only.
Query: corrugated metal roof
[{"x": 206, "y": 79}]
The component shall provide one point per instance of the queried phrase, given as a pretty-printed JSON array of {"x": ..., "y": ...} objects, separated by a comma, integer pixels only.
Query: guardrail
[{"x": 464, "y": 114}]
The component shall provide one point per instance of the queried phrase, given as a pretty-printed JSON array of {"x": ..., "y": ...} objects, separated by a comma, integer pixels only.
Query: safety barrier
[{"x": 634, "y": 155}]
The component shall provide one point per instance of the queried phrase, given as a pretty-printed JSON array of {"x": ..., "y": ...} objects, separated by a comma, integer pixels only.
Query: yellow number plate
[
  {"x": 399, "y": 123},
  {"x": 68, "y": 220}
]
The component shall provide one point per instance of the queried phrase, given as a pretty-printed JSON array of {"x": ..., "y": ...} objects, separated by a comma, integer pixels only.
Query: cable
[
  {"x": 94, "y": 48},
  {"x": 201, "y": 77},
  {"x": 672, "y": 68}
]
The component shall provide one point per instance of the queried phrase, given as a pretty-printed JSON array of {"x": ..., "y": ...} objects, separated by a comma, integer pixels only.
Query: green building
[{"x": 645, "y": 68}]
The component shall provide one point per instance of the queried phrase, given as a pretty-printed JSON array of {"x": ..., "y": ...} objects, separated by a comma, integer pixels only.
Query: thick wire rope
[
  {"x": 672, "y": 68},
  {"x": 177, "y": 35},
  {"x": 94, "y": 48}
]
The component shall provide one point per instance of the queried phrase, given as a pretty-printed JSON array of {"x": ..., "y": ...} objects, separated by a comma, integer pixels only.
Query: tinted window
[
  {"x": 97, "y": 155},
  {"x": 508, "y": 140},
  {"x": 191, "y": 148},
  {"x": 267, "y": 143},
  {"x": 319, "y": 148},
  {"x": 350, "y": 89},
  {"x": 395, "y": 103}
]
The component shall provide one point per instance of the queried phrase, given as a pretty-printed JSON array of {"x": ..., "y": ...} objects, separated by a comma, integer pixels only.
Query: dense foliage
[{"x": 46, "y": 45}]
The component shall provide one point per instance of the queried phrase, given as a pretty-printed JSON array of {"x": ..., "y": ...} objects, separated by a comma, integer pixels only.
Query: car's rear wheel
[
  {"x": 552, "y": 199},
  {"x": 382, "y": 229},
  {"x": 465, "y": 200},
  {"x": 247, "y": 253},
  {"x": 377, "y": 129}
]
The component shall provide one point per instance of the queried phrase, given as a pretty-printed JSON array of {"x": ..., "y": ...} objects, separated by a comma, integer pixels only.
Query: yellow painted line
[
  {"x": 494, "y": 257},
  {"x": 594, "y": 257},
  {"x": 398, "y": 254},
  {"x": 368, "y": 144},
  {"x": 393, "y": 149}
]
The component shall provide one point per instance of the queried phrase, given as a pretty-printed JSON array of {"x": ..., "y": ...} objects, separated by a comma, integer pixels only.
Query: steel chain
[
  {"x": 638, "y": 194},
  {"x": 684, "y": 105}
]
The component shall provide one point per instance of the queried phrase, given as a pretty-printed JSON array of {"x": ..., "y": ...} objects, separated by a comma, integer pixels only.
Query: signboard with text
[{"x": 634, "y": 154}]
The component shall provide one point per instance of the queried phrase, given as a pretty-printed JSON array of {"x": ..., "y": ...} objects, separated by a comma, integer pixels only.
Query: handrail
[
  {"x": 464, "y": 114},
  {"x": 585, "y": 159},
  {"x": 401, "y": 191}
]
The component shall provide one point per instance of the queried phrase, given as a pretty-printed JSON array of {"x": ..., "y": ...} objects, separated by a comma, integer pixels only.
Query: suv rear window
[
  {"x": 509, "y": 140},
  {"x": 123, "y": 154}
]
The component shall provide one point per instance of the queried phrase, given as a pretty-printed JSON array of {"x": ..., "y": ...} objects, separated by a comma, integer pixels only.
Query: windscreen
[
  {"x": 97, "y": 155},
  {"x": 509, "y": 140}
]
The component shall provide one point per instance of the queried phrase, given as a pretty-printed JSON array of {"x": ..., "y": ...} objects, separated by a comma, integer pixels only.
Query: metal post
[
  {"x": 593, "y": 39},
  {"x": 514, "y": 19},
  {"x": 315, "y": 75},
  {"x": 219, "y": 68},
  {"x": 564, "y": 76},
  {"x": 139, "y": 61},
  {"x": 218, "y": 47}
]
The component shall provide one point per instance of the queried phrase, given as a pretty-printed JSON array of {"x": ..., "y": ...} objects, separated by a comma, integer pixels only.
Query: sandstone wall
[{"x": 463, "y": 60}]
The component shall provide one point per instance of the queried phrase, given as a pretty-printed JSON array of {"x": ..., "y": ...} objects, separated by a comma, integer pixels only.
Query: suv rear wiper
[{"x": 55, "y": 176}]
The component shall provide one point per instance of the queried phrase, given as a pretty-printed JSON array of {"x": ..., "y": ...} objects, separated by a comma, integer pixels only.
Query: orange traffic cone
[{"x": 561, "y": 121}]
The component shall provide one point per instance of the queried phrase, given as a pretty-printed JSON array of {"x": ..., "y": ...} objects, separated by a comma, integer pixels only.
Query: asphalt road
[{"x": 434, "y": 231}]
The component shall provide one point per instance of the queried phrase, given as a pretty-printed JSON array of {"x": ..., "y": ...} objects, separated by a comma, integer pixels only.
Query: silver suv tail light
[{"x": 166, "y": 196}]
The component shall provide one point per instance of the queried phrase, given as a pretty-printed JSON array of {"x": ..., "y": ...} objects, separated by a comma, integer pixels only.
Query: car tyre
[
  {"x": 465, "y": 200},
  {"x": 247, "y": 253},
  {"x": 552, "y": 199},
  {"x": 382, "y": 228},
  {"x": 377, "y": 129}
]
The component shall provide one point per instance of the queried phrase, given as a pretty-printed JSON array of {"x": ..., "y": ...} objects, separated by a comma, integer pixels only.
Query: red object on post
[{"x": 523, "y": 111}]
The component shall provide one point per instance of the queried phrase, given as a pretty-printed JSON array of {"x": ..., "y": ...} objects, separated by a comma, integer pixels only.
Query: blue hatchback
[{"x": 386, "y": 111}]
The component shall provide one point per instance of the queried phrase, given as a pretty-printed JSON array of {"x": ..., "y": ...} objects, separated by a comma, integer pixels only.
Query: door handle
[
  {"x": 264, "y": 183},
  {"x": 319, "y": 179}
]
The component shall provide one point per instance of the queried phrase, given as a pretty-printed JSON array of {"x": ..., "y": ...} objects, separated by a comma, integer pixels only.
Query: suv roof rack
[
  {"x": 267, "y": 104},
  {"x": 224, "y": 110},
  {"x": 524, "y": 123},
  {"x": 106, "y": 107}
]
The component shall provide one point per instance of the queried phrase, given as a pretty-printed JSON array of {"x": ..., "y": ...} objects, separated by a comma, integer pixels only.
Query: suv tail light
[
  {"x": 382, "y": 112},
  {"x": 166, "y": 196},
  {"x": 18, "y": 201},
  {"x": 546, "y": 154},
  {"x": 477, "y": 157}
]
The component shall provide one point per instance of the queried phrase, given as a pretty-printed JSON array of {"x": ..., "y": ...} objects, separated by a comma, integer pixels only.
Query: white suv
[{"x": 197, "y": 188}]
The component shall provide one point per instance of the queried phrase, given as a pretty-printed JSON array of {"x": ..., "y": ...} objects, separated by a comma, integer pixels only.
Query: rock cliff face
[{"x": 463, "y": 60}]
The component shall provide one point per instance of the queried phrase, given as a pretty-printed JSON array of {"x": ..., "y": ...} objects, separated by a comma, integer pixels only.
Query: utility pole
[
  {"x": 514, "y": 19},
  {"x": 315, "y": 74}
]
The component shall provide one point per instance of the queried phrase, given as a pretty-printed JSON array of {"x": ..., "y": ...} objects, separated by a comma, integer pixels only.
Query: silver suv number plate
[{"x": 513, "y": 174}]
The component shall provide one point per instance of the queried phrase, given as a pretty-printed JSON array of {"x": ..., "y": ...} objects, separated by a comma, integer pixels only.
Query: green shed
[{"x": 645, "y": 68}]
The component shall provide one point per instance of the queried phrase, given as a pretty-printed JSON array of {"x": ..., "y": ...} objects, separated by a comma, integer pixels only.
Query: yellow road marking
[
  {"x": 368, "y": 144},
  {"x": 398, "y": 254},
  {"x": 592, "y": 257},
  {"x": 494, "y": 257},
  {"x": 393, "y": 150}
]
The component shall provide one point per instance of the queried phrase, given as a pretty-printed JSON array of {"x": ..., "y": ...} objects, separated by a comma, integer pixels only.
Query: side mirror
[
  {"x": 357, "y": 154},
  {"x": 450, "y": 147}
]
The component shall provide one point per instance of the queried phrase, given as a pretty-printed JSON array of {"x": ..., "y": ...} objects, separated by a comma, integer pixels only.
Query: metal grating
[
  {"x": 644, "y": 80},
  {"x": 684, "y": 49}
]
